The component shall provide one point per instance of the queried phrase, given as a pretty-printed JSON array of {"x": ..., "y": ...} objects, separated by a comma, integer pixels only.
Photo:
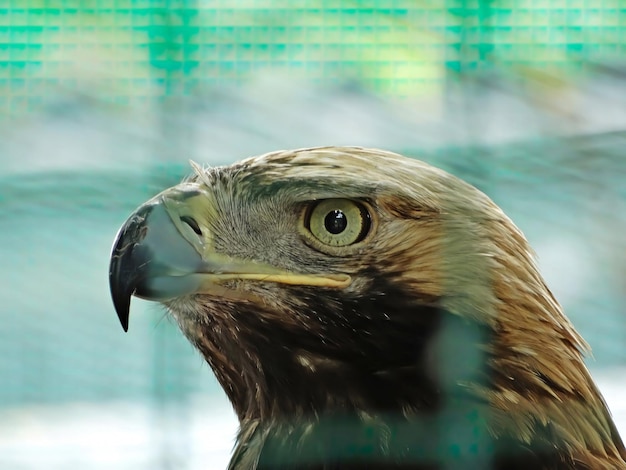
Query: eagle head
[{"x": 366, "y": 310}]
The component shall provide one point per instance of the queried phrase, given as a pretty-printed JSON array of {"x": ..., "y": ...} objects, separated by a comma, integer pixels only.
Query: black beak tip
[
  {"x": 122, "y": 280},
  {"x": 122, "y": 313},
  {"x": 121, "y": 300}
]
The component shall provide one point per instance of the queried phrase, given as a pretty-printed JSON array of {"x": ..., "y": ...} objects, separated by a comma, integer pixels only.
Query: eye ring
[{"x": 338, "y": 223}]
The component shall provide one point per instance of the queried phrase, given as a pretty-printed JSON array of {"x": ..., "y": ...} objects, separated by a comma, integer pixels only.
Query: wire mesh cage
[{"x": 104, "y": 103}]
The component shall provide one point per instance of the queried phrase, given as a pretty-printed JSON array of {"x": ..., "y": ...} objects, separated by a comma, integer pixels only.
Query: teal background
[{"x": 102, "y": 103}]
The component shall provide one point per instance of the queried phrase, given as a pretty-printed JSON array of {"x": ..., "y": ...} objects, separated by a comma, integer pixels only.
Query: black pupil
[{"x": 335, "y": 222}]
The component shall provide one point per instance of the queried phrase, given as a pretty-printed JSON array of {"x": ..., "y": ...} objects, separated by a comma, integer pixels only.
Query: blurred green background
[{"x": 102, "y": 103}]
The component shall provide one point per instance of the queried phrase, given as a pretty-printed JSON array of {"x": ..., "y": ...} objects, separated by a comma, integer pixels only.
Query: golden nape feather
[{"x": 366, "y": 310}]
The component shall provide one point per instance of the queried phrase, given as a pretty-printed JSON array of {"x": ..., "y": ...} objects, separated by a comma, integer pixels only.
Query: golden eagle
[{"x": 366, "y": 310}]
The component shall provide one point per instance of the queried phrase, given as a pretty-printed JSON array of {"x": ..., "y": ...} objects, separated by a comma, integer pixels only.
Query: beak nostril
[{"x": 192, "y": 223}]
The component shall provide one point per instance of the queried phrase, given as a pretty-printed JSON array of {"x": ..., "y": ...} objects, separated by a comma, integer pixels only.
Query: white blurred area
[
  {"x": 137, "y": 436},
  {"x": 117, "y": 435}
]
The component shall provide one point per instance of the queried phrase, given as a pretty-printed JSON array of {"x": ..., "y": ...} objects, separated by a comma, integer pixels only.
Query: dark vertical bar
[
  {"x": 463, "y": 430},
  {"x": 170, "y": 34}
]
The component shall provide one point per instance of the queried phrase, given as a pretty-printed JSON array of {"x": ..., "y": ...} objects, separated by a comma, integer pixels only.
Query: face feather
[{"x": 420, "y": 303}]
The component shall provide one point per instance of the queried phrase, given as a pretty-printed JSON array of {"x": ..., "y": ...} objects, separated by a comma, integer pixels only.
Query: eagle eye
[{"x": 338, "y": 222}]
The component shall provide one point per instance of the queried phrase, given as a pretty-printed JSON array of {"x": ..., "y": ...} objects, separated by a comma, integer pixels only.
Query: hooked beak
[
  {"x": 150, "y": 259},
  {"x": 156, "y": 257}
]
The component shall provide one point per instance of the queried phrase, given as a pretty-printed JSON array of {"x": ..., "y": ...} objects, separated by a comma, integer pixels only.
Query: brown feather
[{"x": 441, "y": 250}]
